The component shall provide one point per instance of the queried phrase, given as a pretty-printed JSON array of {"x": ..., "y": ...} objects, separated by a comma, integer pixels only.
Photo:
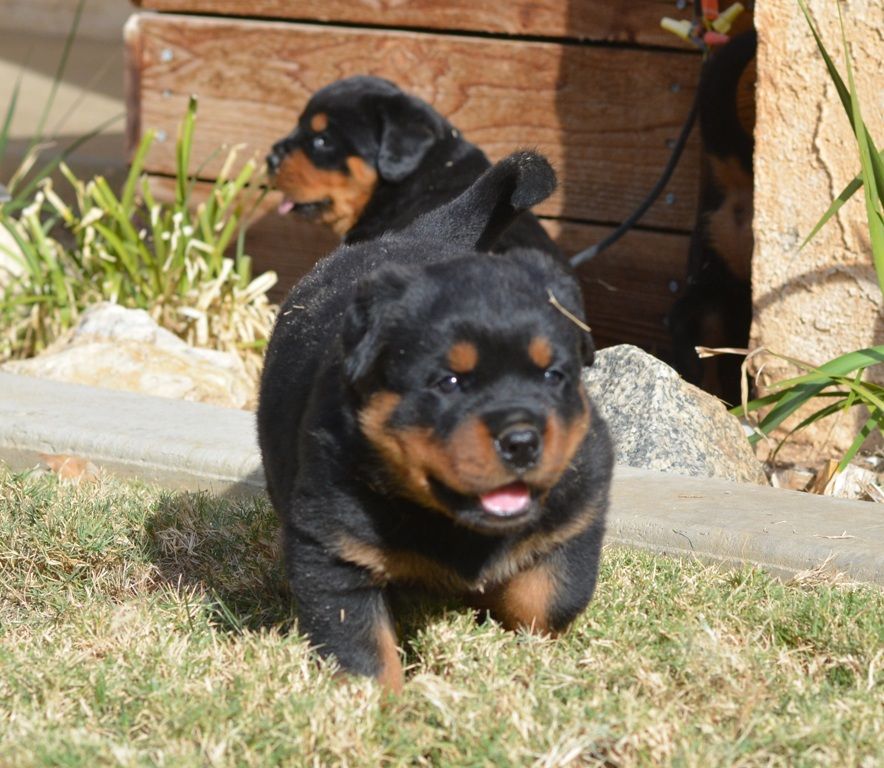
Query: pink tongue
[
  {"x": 285, "y": 206},
  {"x": 508, "y": 500}
]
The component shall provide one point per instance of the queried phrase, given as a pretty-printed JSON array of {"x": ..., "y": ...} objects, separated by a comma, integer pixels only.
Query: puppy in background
[
  {"x": 716, "y": 310},
  {"x": 367, "y": 158}
]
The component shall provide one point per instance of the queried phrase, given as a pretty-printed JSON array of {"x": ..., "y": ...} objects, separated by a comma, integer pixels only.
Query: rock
[
  {"x": 659, "y": 421},
  {"x": 122, "y": 348}
]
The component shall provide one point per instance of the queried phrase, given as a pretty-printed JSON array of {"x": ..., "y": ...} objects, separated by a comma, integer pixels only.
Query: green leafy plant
[
  {"x": 839, "y": 381},
  {"x": 181, "y": 261}
]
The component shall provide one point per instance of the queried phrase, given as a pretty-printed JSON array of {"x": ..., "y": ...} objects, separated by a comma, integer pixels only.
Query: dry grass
[{"x": 139, "y": 627}]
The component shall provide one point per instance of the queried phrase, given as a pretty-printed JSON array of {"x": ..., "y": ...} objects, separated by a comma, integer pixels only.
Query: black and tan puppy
[
  {"x": 367, "y": 158},
  {"x": 422, "y": 422},
  {"x": 716, "y": 310}
]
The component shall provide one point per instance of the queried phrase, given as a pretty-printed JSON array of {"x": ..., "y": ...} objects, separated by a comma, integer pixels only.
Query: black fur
[
  {"x": 716, "y": 309},
  {"x": 422, "y": 160},
  {"x": 376, "y": 319}
]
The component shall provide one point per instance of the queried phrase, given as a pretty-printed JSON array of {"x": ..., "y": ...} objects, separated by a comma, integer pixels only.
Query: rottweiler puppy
[
  {"x": 366, "y": 158},
  {"x": 423, "y": 423},
  {"x": 716, "y": 309}
]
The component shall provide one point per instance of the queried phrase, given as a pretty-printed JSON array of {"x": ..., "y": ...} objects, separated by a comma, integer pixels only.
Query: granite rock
[
  {"x": 121, "y": 348},
  {"x": 659, "y": 421}
]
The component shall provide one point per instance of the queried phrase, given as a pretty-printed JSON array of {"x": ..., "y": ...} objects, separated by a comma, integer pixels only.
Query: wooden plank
[
  {"x": 604, "y": 116},
  {"x": 622, "y": 21},
  {"x": 628, "y": 289}
]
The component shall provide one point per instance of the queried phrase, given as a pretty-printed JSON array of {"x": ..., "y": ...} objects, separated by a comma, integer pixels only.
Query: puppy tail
[{"x": 482, "y": 213}]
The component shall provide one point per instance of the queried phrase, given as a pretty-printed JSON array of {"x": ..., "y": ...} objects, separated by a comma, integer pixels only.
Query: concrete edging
[{"x": 191, "y": 446}]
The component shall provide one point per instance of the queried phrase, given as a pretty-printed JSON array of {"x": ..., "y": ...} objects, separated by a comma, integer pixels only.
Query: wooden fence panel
[
  {"x": 628, "y": 289},
  {"x": 623, "y": 21},
  {"x": 604, "y": 116}
]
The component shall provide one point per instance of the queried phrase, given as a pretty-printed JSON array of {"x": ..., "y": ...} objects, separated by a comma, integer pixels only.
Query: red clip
[{"x": 710, "y": 9}]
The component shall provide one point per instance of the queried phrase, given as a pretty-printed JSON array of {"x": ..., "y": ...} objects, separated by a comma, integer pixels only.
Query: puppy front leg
[
  {"x": 549, "y": 595},
  {"x": 343, "y": 613}
]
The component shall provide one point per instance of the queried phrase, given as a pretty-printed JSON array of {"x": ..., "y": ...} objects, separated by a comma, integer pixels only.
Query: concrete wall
[
  {"x": 101, "y": 20},
  {"x": 824, "y": 301},
  {"x": 32, "y": 34}
]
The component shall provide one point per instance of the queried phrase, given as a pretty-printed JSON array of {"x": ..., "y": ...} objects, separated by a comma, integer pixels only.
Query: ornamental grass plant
[{"x": 183, "y": 261}]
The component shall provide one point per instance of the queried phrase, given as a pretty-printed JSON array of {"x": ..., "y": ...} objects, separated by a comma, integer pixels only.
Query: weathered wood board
[
  {"x": 628, "y": 289},
  {"x": 622, "y": 21},
  {"x": 605, "y": 116}
]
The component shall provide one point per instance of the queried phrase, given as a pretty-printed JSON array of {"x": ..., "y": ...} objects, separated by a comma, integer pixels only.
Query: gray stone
[
  {"x": 120, "y": 348},
  {"x": 659, "y": 421}
]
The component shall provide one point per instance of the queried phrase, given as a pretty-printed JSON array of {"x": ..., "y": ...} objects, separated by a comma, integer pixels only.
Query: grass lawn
[{"x": 141, "y": 627}]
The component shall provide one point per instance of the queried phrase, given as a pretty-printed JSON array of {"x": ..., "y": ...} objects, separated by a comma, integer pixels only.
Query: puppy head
[
  {"x": 353, "y": 135},
  {"x": 467, "y": 384}
]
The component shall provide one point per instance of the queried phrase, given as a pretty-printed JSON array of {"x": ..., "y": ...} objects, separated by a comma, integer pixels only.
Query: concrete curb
[{"x": 190, "y": 446}]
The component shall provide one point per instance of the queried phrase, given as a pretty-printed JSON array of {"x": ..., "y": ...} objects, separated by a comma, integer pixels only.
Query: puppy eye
[
  {"x": 448, "y": 384},
  {"x": 321, "y": 143},
  {"x": 553, "y": 376}
]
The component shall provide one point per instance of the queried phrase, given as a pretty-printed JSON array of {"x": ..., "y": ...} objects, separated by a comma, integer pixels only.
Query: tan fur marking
[
  {"x": 303, "y": 182},
  {"x": 401, "y": 567},
  {"x": 390, "y": 676},
  {"x": 463, "y": 357},
  {"x": 466, "y": 463},
  {"x": 540, "y": 352},
  {"x": 539, "y": 544},
  {"x": 746, "y": 97},
  {"x": 523, "y": 602},
  {"x": 405, "y": 567},
  {"x": 319, "y": 122},
  {"x": 729, "y": 227},
  {"x": 560, "y": 443}
]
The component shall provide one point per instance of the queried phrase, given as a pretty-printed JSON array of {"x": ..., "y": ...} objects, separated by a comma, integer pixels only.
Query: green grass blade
[
  {"x": 843, "y": 91},
  {"x": 183, "y": 151},
  {"x": 842, "y": 198},
  {"x": 843, "y": 365},
  {"x": 22, "y": 196},
  {"x": 791, "y": 402},
  {"x": 10, "y": 113},
  {"x": 135, "y": 170},
  {"x": 828, "y": 410},
  {"x": 59, "y": 74},
  {"x": 858, "y": 441},
  {"x": 870, "y": 185}
]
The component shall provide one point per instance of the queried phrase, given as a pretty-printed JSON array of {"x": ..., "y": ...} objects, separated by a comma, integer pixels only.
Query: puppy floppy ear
[
  {"x": 368, "y": 320},
  {"x": 481, "y": 213},
  {"x": 410, "y": 129}
]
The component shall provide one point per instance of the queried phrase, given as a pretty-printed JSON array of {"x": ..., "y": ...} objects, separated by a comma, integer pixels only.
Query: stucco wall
[{"x": 823, "y": 301}]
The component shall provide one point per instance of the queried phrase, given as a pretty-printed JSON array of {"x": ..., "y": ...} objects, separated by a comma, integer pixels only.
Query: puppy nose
[
  {"x": 519, "y": 446},
  {"x": 273, "y": 162}
]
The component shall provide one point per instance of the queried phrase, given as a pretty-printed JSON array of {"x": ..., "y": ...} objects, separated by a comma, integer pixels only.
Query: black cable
[{"x": 594, "y": 250}]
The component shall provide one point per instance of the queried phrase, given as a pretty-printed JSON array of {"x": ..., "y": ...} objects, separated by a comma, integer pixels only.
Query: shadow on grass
[{"x": 227, "y": 549}]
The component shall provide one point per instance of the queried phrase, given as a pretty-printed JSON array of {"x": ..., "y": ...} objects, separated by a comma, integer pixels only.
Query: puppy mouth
[
  {"x": 499, "y": 511},
  {"x": 309, "y": 210},
  {"x": 508, "y": 501}
]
